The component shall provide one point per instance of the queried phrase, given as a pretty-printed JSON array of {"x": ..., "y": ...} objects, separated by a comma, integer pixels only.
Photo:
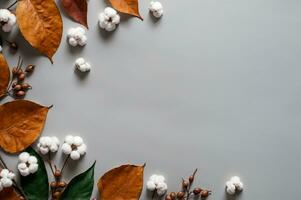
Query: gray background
[{"x": 213, "y": 85}]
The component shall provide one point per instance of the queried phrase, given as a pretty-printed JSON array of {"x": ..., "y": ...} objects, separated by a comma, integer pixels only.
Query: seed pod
[
  {"x": 25, "y": 86},
  {"x": 180, "y": 195},
  {"x": 205, "y": 194},
  {"x": 21, "y": 77},
  {"x": 20, "y": 93},
  {"x": 57, "y": 173},
  {"x": 173, "y": 195},
  {"x": 30, "y": 68},
  {"x": 17, "y": 87},
  {"x": 197, "y": 191}
]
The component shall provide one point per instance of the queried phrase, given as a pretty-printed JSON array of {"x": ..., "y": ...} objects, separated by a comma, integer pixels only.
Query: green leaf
[
  {"x": 81, "y": 186},
  {"x": 36, "y": 186}
]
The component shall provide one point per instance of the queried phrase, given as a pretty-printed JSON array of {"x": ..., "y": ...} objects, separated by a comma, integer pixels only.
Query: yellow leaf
[
  {"x": 41, "y": 24},
  {"x": 21, "y": 123},
  {"x": 122, "y": 183},
  {"x": 130, "y": 7}
]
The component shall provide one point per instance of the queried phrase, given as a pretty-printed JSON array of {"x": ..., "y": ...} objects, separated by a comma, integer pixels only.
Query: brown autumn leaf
[
  {"x": 77, "y": 10},
  {"x": 9, "y": 194},
  {"x": 21, "y": 123},
  {"x": 41, "y": 24},
  {"x": 122, "y": 183},
  {"x": 130, "y": 7},
  {"x": 4, "y": 75}
]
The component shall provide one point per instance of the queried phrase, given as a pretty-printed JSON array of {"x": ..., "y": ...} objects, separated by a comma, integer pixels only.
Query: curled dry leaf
[
  {"x": 41, "y": 24},
  {"x": 77, "y": 10},
  {"x": 21, "y": 123},
  {"x": 130, "y": 7},
  {"x": 4, "y": 75},
  {"x": 122, "y": 183},
  {"x": 9, "y": 194}
]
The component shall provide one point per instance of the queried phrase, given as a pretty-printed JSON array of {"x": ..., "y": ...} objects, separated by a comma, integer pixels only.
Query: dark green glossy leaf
[
  {"x": 81, "y": 186},
  {"x": 36, "y": 186}
]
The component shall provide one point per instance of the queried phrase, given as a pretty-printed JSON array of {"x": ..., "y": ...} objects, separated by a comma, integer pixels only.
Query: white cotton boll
[
  {"x": 66, "y": 148},
  {"x": 150, "y": 185},
  {"x": 22, "y": 166},
  {"x": 24, "y": 172},
  {"x": 235, "y": 179},
  {"x": 239, "y": 186},
  {"x": 156, "y": 9},
  {"x": 6, "y": 182},
  {"x": 230, "y": 189},
  {"x": 82, "y": 65},
  {"x": 161, "y": 188},
  {"x": 55, "y": 140},
  {"x": 82, "y": 149},
  {"x": 109, "y": 19},
  {"x": 83, "y": 40},
  {"x": 7, "y": 20},
  {"x": 11, "y": 175},
  {"x": 77, "y": 36},
  {"x": 23, "y": 157},
  {"x": 4, "y": 173},
  {"x": 72, "y": 42},
  {"x": 69, "y": 138},
  {"x": 32, "y": 160},
  {"x": 75, "y": 155},
  {"x": 78, "y": 141},
  {"x": 33, "y": 168}
]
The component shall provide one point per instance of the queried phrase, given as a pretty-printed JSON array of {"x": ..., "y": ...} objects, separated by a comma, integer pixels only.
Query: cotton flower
[
  {"x": 82, "y": 65},
  {"x": 48, "y": 144},
  {"x": 6, "y": 178},
  {"x": 74, "y": 146},
  {"x": 27, "y": 164},
  {"x": 157, "y": 183},
  {"x": 109, "y": 19},
  {"x": 234, "y": 185},
  {"x": 156, "y": 9},
  {"x": 77, "y": 36},
  {"x": 7, "y": 20}
]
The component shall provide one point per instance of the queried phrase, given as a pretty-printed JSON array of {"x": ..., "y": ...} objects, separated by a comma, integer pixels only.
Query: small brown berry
[
  {"x": 13, "y": 46},
  {"x": 17, "y": 87},
  {"x": 205, "y": 194},
  {"x": 173, "y": 195},
  {"x": 25, "y": 86},
  {"x": 56, "y": 195},
  {"x": 168, "y": 197},
  {"x": 62, "y": 184},
  {"x": 180, "y": 195},
  {"x": 185, "y": 184},
  {"x": 20, "y": 71},
  {"x": 191, "y": 179},
  {"x": 20, "y": 93},
  {"x": 15, "y": 71},
  {"x": 53, "y": 184},
  {"x": 21, "y": 77},
  {"x": 197, "y": 191},
  {"x": 30, "y": 68},
  {"x": 57, "y": 173}
]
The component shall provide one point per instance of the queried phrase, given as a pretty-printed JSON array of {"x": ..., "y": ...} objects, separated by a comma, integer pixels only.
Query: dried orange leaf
[
  {"x": 41, "y": 24},
  {"x": 9, "y": 194},
  {"x": 122, "y": 183},
  {"x": 130, "y": 7},
  {"x": 21, "y": 123},
  {"x": 4, "y": 75},
  {"x": 77, "y": 10}
]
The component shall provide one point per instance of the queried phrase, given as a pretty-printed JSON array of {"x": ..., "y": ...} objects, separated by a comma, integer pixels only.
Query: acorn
[
  {"x": 30, "y": 68},
  {"x": 180, "y": 195},
  {"x": 197, "y": 191}
]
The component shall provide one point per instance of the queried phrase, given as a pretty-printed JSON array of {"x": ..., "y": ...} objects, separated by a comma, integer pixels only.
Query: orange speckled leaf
[
  {"x": 9, "y": 194},
  {"x": 4, "y": 75},
  {"x": 41, "y": 24},
  {"x": 122, "y": 183},
  {"x": 130, "y": 7},
  {"x": 21, "y": 123}
]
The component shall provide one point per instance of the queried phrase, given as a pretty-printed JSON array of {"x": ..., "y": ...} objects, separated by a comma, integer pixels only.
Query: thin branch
[
  {"x": 65, "y": 163},
  {"x": 9, "y": 7}
]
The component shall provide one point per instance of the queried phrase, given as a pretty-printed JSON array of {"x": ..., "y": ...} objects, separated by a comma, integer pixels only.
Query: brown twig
[{"x": 11, "y": 5}]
